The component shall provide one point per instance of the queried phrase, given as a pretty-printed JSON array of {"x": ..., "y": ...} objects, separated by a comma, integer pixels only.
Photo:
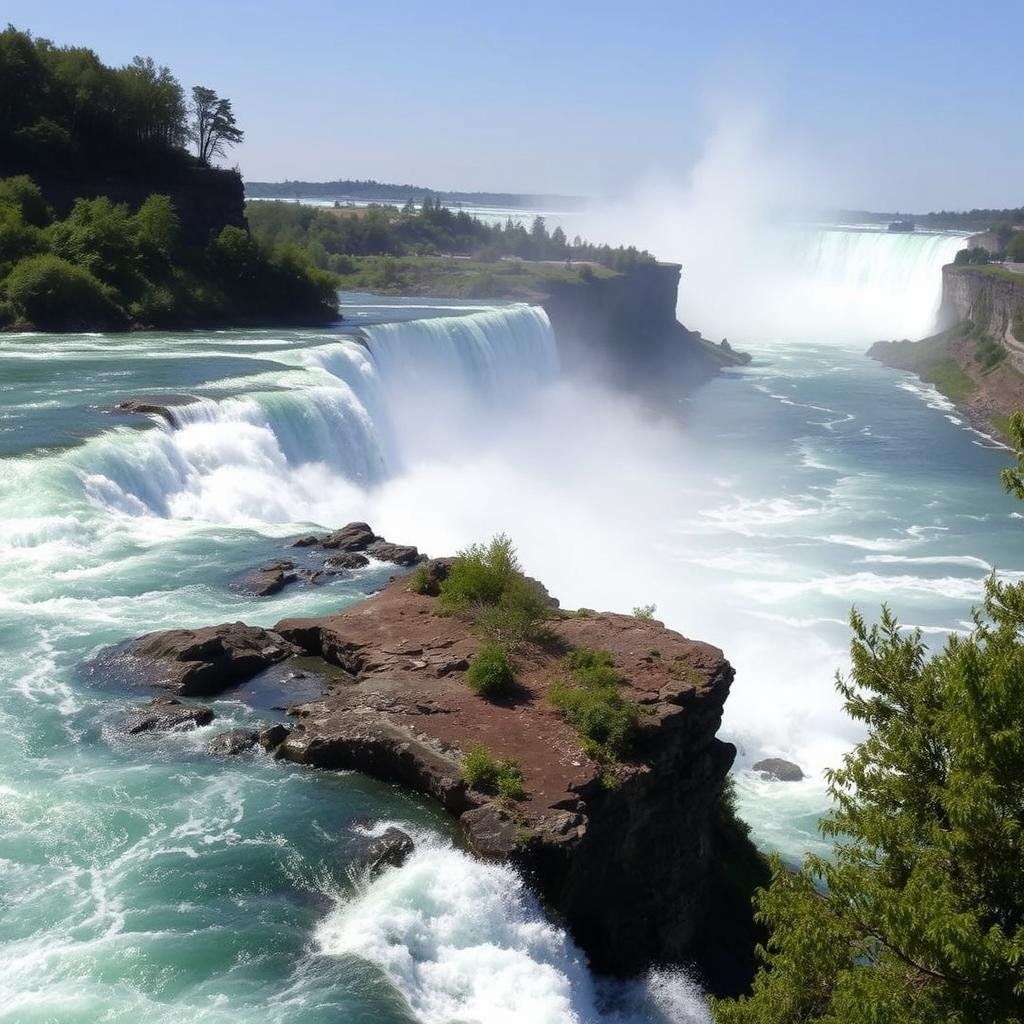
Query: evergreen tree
[{"x": 918, "y": 917}]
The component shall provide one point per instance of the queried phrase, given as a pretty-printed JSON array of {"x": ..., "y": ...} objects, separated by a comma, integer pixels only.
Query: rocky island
[{"x": 631, "y": 845}]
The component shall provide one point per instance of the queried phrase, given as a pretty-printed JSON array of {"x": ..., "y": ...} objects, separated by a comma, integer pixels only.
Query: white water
[{"x": 799, "y": 485}]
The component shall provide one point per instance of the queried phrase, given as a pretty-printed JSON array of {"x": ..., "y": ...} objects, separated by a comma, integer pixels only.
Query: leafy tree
[
  {"x": 1015, "y": 248},
  {"x": 51, "y": 292},
  {"x": 919, "y": 915},
  {"x": 213, "y": 126}
]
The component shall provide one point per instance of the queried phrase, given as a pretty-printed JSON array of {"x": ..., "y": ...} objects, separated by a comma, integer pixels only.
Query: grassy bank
[{"x": 455, "y": 277}]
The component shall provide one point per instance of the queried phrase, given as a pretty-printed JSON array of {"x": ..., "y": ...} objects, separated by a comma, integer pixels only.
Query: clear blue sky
[{"x": 897, "y": 105}]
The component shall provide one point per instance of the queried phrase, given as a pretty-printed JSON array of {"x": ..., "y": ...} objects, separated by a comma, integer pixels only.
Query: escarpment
[
  {"x": 623, "y": 330},
  {"x": 977, "y": 358},
  {"x": 629, "y": 855}
]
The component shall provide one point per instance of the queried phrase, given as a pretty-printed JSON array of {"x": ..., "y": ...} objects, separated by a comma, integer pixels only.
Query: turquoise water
[{"x": 144, "y": 881}]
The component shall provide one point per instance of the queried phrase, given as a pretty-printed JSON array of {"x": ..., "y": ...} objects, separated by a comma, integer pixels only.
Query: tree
[
  {"x": 213, "y": 126},
  {"x": 919, "y": 915},
  {"x": 1015, "y": 248}
]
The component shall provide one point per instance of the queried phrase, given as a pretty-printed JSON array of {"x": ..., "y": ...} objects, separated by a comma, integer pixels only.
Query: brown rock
[
  {"x": 389, "y": 850},
  {"x": 234, "y": 741},
  {"x": 199, "y": 662},
  {"x": 347, "y": 560},
  {"x": 353, "y": 537},
  {"x": 273, "y": 736},
  {"x": 309, "y": 541},
  {"x": 400, "y": 554},
  {"x": 161, "y": 406},
  {"x": 269, "y": 579}
]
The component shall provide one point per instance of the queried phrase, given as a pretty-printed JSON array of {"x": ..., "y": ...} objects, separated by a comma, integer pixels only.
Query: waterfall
[
  {"x": 365, "y": 406},
  {"x": 861, "y": 284}
]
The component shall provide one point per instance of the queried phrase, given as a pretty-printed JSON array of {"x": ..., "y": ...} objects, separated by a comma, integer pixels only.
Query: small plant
[
  {"x": 490, "y": 673},
  {"x": 594, "y": 706},
  {"x": 420, "y": 580},
  {"x": 483, "y": 771},
  {"x": 645, "y": 611}
]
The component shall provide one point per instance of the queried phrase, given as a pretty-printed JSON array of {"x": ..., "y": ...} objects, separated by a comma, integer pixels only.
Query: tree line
[
  {"x": 62, "y": 110},
  {"x": 331, "y": 237},
  {"x": 106, "y": 267}
]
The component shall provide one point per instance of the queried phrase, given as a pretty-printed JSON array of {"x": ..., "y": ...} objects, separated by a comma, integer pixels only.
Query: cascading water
[
  {"x": 365, "y": 408},
  {"x": 857, "y": 283}
]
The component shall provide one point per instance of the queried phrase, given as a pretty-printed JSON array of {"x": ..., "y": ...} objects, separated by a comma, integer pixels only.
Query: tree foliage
[
  {"x": 105, "y": 265},
  {"x": 331, "y": 237},
  {"x": 919, "y": 914},
  {"x": 63, "y": 111},
  {"x": 212, "y": 125}
]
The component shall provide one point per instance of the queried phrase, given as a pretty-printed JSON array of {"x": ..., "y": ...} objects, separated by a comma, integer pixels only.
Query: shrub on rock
[
  {"x": 490, "y": 673},
  {"x": 483, "y": 771}
]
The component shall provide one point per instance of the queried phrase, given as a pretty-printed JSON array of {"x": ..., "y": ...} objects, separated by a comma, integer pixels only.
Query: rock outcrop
[
  {"x": 626, "y": 865},
  {"x": 154, "y": 405},
  {"x": 194, "y": 662},
  {"x": 780, "y": 769},
  {"x": 623, "y": 331},
  {"x": 632, "y": 855},
  {"x": 389, "y": 850}
]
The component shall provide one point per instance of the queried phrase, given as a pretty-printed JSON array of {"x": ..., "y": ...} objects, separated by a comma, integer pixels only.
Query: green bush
[
  {"x": 419, "y": 580},
  {"x": 51, "y": 292},
  {"x": 593, "y": 705},
  {"x": 490, "y": 673},
  {"x": 645, "y": 611},
  {"x": 483, "y": 771},
  {"x": 487, "y": 584}
]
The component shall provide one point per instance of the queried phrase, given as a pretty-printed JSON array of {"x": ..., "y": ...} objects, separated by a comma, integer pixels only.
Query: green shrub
[
  {"x": 483, "y": 771},
  {"x": 490, "y": 673},
  {"x": 594, "y": 706},
  {"x": 645, "y": 611},
  {"x": 22, "y": 196},
  {"x": 487, "y": 584},
  {"x": 51, "y": 292},
  {"x": 419, "y": 580}
]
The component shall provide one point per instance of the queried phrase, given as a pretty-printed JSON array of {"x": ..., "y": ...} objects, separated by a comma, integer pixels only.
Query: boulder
[
  {"x": 779, "y": 769},
  {"x": 309, "y": 541},
  {"x": 269, "y": 579},
  {"x": 273, "y": 736},
  {"x": 200, "y": 662},
  {"x": 389, "y": 850},
  {"x": 165, "y": 714},
  {"x": 234, "y": 741},
  {"x": 400, "y": 554},
  {"x": 353, "y": 537},
  {"x": 347, "y": 560}
]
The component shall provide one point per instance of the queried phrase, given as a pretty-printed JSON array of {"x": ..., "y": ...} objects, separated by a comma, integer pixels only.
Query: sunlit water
[{"x": 145, "y": 881}]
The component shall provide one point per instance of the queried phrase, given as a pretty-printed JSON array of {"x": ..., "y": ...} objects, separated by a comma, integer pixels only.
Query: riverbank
[{"x": 977, "y": 359}]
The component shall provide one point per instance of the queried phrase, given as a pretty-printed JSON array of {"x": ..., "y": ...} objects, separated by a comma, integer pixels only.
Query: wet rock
[
  {"x": 347, "y": 560},
  {"x": 269, "y": 579},
  {"x": 353, "y": 537},
  {"x": 309, "y": 541},
  {"x": 199, "y": 662},
  {"x": 273, "y": 736},
  {"x": 165, "y": 714},
  {"x": 162, "y": 406},
  {"x": 400, "y": 554},
  {"x": 390, "y": 850},
  {"x": 779, "y": 769},
  {"x": 234, "y": 741}
]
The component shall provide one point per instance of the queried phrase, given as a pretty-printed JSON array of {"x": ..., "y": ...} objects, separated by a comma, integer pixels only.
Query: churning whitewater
[{"x": 146, "y": 882}]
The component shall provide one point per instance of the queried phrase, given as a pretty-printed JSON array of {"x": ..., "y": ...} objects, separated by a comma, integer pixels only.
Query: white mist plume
[{"x": 751, "y": 270}]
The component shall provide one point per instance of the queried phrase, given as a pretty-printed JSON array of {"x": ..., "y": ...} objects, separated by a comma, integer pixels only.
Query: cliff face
[
  {"x": 206, "y": 198},
  {"x": 623, "y": 330},
  {"x": 992, "y": 299},
  {"x": 977, "y": 358}
]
